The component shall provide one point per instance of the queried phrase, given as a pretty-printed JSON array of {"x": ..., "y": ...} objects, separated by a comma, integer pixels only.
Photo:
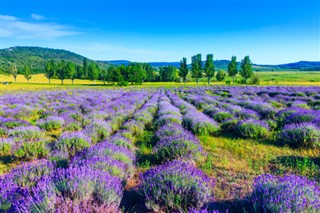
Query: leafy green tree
[
  {"x": 85, "y": 68},
  {"x": 112, "y": 74},
  {"x": 196, "y": 67},
  {"x": 124, "y": 71},
  {"x": 246, "y": 68},
  {"x": 137, "y": 73},
  {"x": 79, "y": 71},
  {"x": 93, "y": 72},
  {"x": 209, "y": 67},
  {"x": 183, "y": 71},
  {"x": 232, "y": 68},
  {"x": 150, "y": 71},
  {"x": 27, "y": 72},
  {"x": 220, "y": 75},
  {"x": 103, "y": 75},
  {"x": 168, "y": 73},
  {"x": 50, "y": 70},
  {"x": 71, "y": 71},
  {"x": 14, "y": 72},
  {"x": 62, "y": 71}
]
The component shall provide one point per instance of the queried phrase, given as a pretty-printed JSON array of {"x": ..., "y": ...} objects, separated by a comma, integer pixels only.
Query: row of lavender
[
  {"x": 176, "y": 185},
  {"x": 94, "y": 179},
  {"x": 257, "y": 115},
  {"x": 271, "y": 194}
]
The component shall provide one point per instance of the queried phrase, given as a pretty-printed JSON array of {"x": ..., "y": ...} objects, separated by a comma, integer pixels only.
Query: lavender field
[{"x": 186, "y": 149}]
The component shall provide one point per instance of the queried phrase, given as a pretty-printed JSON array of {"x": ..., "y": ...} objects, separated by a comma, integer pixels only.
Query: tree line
[{"x": 137, "y": 73}]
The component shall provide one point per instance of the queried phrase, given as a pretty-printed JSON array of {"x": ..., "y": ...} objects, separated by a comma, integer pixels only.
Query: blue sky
[{"x": 270, "y": 31}]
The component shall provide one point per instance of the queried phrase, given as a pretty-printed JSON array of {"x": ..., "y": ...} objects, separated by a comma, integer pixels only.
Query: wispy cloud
[
  {"x": 37, "y": 17},
  {"x": 108, "y": 51},
  {"x": 14, "y": 27}
]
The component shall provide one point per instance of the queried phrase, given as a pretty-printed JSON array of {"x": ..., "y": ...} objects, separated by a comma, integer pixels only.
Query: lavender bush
[
  {"x": 285, "y": 194},
  {"x": 72, "y": 143},
  {"x": 300, "y": 135},
  {"x": 176, "y": 186},
  {"x": 252, "y": 129},
  {"x": 51, "y": 123}
]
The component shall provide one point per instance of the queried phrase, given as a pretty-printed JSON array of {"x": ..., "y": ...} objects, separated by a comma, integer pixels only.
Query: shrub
[
  {"x": 28, "y": 133},
  {"x": 169, "y": 129},
  {"x": 200, "y": 124},
  {"x": 98, "y": 130},
  {"x": 300, "y": 135},
  {"x": 32, "y": 150},
  {"x": 301, "y": 116},
  {"x": 176, "y": 186},
  {"x": 28, "y": 174},
  {"x": 6, "y": 146},
  {"x": 228, "y": 125},
  {"x": 244, "y": 114},
  {"x": 285, "y": 194},
  {"x": 181, "y": 146},
  {"x": 252, "y": 129},
  {"x": 135, "y": 127},
  {"x": 254, "y": 80},
  {"x": 51, "y": 123},
  {"x": 83, "y": 184},
  {"x": 220, "y": 116},
  {"x": 169, "y": 118},
  {"x": 220, "y": 75},
  {"x": 101, "y": 163},
  {"x": 72, "y": 143}
]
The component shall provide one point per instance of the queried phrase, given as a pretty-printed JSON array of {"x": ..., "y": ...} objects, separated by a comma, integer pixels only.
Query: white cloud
[
  {"x": 37, "y": 17},
  {"x": 13, "y": 27}
]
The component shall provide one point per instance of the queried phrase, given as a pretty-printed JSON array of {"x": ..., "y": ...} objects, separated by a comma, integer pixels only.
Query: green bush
[
  {"x": 252, "y": 129},
  {"x": 34, "y": 150},
  {"x": 220, "y": 116}
]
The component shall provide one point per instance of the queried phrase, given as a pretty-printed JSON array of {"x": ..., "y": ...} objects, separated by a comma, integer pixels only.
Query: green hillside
[{"x": 36, "y": 57}]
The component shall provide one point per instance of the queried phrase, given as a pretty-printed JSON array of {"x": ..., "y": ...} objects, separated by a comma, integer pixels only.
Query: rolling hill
[{"x": 37, "y": 57}]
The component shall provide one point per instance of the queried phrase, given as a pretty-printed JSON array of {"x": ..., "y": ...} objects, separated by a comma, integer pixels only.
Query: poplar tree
[
  {"x": 209, "y": 67},
  {"x": 246, "y": 68},
  {"x": 232, "y": 68},
  {"x": 183, "y": 71},
  {"x": 196, "y": 67}
]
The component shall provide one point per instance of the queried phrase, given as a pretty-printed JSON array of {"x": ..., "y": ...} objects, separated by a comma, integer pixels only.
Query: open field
[
  {"x": 146, "y": 149},
  {"x": 266, "y": 78}
]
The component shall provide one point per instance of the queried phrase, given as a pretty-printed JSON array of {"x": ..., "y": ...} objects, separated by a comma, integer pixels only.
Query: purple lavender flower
[
  {"x": 300, "y": 135},
  {"x": 51, "y": 123},
  {"x": 285, "y": 194},
  {"x": 199, "y": 123},
  {"x": 252, "y": 129},
  {"x": 182, "y": 146},
  {"x": 26, "y": 133},
  {"x": 176, "y": 186},
  {"x": 72, "y": 142}
]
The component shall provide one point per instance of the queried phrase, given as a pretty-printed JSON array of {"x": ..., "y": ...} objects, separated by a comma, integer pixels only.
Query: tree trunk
[
  {"x": 209, "y": 80},
  {"x": 72, "y": 81},
  {"x": 49, "y": 81},
  {"x": 61, "y": 81},
  {"x": 232, "y": 79},
  {"x": 184, "y": 80},
  {"x": 28, "y": 81},
  {"x": 15, "y": 79},
  {"x": 197, "y": 81}
]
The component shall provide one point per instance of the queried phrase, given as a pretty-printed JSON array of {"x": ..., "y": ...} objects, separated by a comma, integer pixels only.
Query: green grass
[
  {"x": 39, "y": 81},
  {"x": 234, "y": 162}
]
